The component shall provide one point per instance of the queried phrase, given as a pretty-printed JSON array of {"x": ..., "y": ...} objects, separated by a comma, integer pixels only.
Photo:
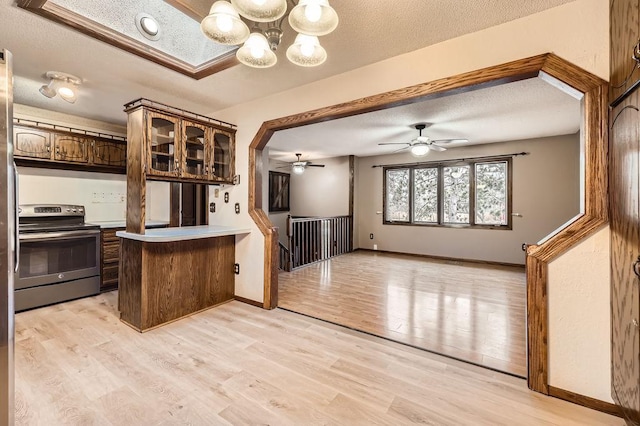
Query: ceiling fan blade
[
  {"x": 395, "y": 143},
  {"x": 450, "y": 140},
  {"x": 314, "y": 165},
  {"x": 437, "y": 148},
  {"x": 401, "y": 149}
]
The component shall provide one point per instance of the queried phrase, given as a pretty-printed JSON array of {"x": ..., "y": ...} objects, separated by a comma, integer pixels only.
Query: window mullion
[
  {"x": 440, "y": 195},
  {"x": 411, "y": 195},
  {"x": 472, "y": 194}
]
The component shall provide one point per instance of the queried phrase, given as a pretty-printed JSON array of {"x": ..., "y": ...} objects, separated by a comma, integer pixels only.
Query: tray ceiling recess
[{"x": 178, "y": 43}]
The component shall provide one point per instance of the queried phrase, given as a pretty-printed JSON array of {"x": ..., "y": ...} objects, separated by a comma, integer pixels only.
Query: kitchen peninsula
[{"x": 169, "y": 273}]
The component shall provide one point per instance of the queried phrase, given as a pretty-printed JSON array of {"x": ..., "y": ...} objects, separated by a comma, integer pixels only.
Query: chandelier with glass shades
[{"x": 310, "y": 18}]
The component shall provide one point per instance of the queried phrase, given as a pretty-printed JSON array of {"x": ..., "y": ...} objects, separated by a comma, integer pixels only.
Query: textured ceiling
[
  {"x": 368, "y": 32},
  {"x": 526, "y": 109}
]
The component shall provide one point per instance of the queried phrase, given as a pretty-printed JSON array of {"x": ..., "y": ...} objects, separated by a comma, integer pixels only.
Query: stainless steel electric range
[{"x": 59, "y": 255}]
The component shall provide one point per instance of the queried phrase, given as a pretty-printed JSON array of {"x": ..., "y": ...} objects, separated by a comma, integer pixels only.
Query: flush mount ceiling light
[
  {"x": 63, "y": 84},
  {"x": 148, "y": 26},
  {"x": 311, "y": 18}
]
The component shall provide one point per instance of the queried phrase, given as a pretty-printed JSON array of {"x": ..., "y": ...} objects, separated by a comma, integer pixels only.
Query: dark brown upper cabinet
[{"x": 176, "y": 145}]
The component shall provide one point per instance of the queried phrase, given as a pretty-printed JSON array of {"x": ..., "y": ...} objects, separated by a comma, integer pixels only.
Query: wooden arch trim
[{"x": 594, "y": 134}]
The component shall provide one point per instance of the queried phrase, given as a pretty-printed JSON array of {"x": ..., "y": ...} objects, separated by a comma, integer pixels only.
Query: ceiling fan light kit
[
  {"x": 419, "y": 149},
  {"x": 422, "y": 145},
  {"x": 310, "y": 18},
  {"x": 298, "y": 167}
]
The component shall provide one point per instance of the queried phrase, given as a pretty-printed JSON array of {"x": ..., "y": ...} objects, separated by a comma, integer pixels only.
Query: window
[{"x": 461, "y": 194}]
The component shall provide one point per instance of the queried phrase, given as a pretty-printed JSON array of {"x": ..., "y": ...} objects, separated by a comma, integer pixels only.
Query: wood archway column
[{"x": 593, "y": 134}]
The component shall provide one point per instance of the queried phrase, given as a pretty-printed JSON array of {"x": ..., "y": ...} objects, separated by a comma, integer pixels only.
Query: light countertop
[
  {"x": 165, "y": 235},
  {"x": 105, "y": 224}
]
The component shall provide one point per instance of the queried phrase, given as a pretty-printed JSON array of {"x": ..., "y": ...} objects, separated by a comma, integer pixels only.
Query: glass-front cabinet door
[
  {"x": 194, "y": 155},
  {"x": 164, "y": 151},
  {"x": 223, "y": 156}
]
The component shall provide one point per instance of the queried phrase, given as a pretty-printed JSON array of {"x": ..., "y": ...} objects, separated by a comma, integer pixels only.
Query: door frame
[{"x": 594, "y": 140}]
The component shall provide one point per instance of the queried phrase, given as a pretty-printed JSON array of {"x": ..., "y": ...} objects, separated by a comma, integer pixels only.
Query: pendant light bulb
[
  {"x": 313, "y": 17},
  {"x": 261, "y": 10},
  {"x": 297, "y": 169},
  {"x": 306, "y": 51},
  {"x": 223, "y": 25},
  {"x": 256, "y": 52},
  {"x": 313, "y": 12}
]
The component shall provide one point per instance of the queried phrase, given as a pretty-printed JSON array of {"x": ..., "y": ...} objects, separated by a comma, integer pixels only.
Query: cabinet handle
[
  {"x": 635, "y": 323},
  {"x": 57, "y": 150},
  {"x": 636, "y": 267}
]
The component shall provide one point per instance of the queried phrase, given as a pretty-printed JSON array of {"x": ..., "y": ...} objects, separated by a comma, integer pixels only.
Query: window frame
[{"x": 471, "y": 163}]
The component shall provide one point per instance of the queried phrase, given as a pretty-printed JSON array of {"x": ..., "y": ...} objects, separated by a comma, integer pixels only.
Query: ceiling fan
[
  {"x": 422, "y": 144},
  {"x": 298, "y": 166}
]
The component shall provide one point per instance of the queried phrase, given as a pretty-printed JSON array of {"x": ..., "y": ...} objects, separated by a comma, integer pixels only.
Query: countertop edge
[
  {"x": 111, "y": 224},
  {"x": 166, "y": 235}
]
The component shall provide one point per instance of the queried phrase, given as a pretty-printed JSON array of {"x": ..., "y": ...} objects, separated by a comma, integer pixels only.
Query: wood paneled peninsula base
[{"x": 167, "y": 274}]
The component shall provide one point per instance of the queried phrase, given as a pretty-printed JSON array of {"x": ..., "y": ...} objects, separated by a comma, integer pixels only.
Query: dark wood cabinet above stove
[{"x": 46, "y": 146}]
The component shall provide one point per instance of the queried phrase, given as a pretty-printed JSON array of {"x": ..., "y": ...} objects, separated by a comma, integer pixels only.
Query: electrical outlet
[
  {"x": 226, "y": 197},
  {"x": 237, "y": 208},
  {"x": 212, "y": 207},
  {"x": 371, "y": 236},
  {"x": 236, "y": 268}
]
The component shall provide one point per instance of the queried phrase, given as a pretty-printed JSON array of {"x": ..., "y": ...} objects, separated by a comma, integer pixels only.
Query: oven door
[{"x": 53, "y": 257}]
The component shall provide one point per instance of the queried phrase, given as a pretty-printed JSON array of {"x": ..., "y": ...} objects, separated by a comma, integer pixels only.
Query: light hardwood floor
[
  {"x": 77, "y": 364},
  {"x": 469, "y": 311}
]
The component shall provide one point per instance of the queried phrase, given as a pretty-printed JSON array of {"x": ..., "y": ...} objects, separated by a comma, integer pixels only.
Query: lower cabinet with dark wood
[
  {"x": 161, "y": 282},
  {"x": 109, "y": 259}
]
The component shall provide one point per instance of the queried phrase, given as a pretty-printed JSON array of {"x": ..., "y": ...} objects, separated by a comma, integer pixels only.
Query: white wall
[
  {"x": 575, "y": 308},
  {"x": 577, "y": 31},
  {"x": 546, "y": 192},
  {"x": 322, "y": 191}
]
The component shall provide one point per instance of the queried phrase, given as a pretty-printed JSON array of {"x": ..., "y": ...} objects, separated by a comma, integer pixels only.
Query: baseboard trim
[
  {"x": 249, "y": 301},
  {"x": 452, "y": 259},
  {"x": 585, "y": 401}
]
